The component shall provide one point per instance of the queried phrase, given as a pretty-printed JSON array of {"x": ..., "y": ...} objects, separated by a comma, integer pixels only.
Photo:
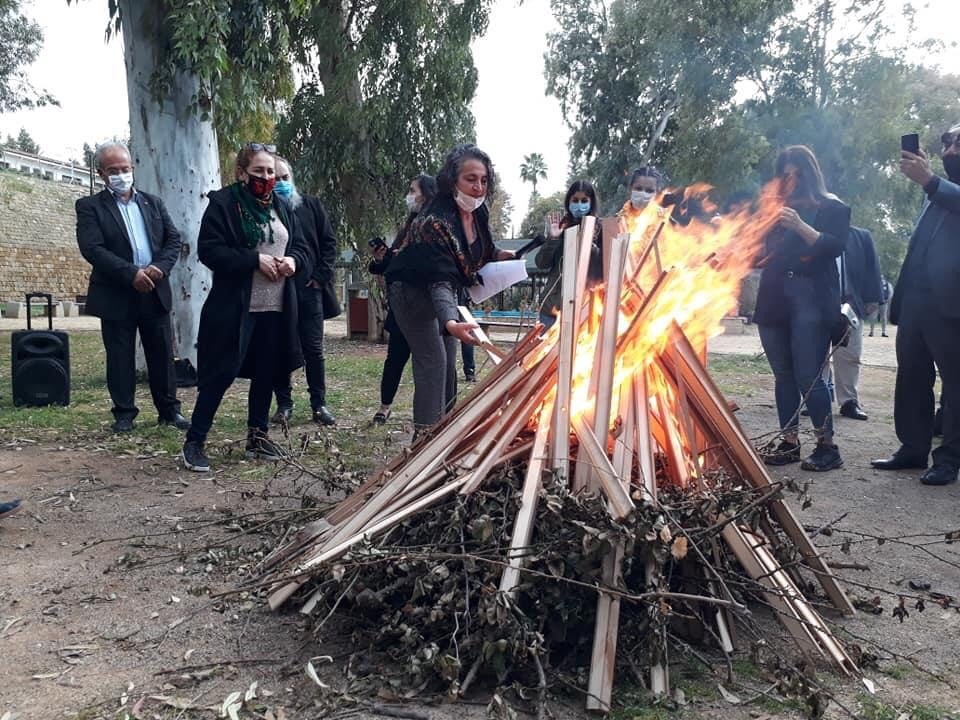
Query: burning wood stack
[{"x": 614, "y": 399}]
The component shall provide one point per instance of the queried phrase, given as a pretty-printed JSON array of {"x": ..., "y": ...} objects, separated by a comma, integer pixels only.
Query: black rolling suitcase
[{"x": 40, "y": 361}]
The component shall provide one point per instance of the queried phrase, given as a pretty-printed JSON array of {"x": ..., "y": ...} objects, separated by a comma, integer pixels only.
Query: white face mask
[
  {"x": 640, "y": 198},
  {"x": 121, "y": 183},
  {"x": 468, "y": 203},
  {"x": 411, "y": 201}
]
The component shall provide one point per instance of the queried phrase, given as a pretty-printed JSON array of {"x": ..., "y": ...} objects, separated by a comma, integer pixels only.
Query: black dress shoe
[
  {"x": 852, "y": 410},
  {"x": 322, "y": 416},
  {"x": 282, "y": 416},
  {"x": 898, "y": 461},
  {"x": 122, "y": 425},
  {"x": 176, "y": 420},
  {"x": 939, "y": 475}
]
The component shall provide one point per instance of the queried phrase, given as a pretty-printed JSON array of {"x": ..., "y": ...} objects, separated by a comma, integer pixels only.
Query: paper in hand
[{"x": 497, "y": 276}]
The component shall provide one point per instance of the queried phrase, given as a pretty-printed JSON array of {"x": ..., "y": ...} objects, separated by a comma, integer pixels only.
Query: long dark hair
[
  {"x": 452, "y": 164},
  {"x": 428, "y": 188},
  {"x": 586, "y": 187},
  {"x": 809, "y": 186}
]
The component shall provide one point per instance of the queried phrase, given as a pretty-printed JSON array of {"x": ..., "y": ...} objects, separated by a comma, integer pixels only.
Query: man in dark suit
[
  {"x": 926, "y": 308},
  {"x": 315, "y": 297},
  {"x": 861, "y": 288},
  {"x": 132, "y": 244}
]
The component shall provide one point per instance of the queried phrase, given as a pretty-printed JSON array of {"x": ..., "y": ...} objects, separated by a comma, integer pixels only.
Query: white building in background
[{"x": 71, "y": 173}]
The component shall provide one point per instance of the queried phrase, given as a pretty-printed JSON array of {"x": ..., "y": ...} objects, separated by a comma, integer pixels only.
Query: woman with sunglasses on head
[
  {"x": 798, "y": 303},
  {"x": 448, "y": 243},
  {"x": 251, "y": 240},
  {"x": 579, "y": 202},
  {"x": 420, "y": 193}
]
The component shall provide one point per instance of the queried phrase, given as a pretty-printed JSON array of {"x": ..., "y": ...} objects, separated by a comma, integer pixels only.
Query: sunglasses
[
  {"x": 259, "y": 147},
  {"x": 949, "y": 140}
]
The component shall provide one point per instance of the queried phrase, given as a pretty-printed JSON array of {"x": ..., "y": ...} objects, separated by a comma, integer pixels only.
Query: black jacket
[
  {"x": 787, "y": 256},
  {"x": 221, "y": 247},
  {"x": 318, "y": 233},
  {"x": 863, "y": 284},
  {"x": 933, "y": 256},
  {"x": 105, "y": 244}
]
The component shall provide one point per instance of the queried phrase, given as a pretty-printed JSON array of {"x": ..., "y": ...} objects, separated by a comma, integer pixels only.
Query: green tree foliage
[
  {"x": 386, "y": 92},
  {"x": 716, "y": 97},
  {"x": 23, "y": 141},
  {"x": 532, "y": 224},
  {"x": 501, "y": 208},
  {"x": 533, "y": 169},
  {"x": 21, "y": 40},
  {"x": 640, "y": 79}
]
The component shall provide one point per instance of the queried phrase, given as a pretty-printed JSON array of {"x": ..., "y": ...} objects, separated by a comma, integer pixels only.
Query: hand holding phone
[{"x": 910, "y": 143}]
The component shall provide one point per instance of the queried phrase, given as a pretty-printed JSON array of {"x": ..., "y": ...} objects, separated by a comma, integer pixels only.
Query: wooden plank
[
  {"x": 619, "y": 503},
  {"x": 644, "y": 445},
  {"x": 786, "y": 613},
  {"x": 714, "y": 411},
  {"x": 523, "y": 524},
  {"x": 560, "y": 437},
  {"x": 496, "y": 354}
]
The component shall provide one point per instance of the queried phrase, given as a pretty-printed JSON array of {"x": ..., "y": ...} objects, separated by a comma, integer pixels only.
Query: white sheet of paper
[{"x": 498, "y": 276}]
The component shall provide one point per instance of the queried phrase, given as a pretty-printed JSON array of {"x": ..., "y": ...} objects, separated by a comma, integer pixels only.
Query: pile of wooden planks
[{"x": 615, "y": 400}]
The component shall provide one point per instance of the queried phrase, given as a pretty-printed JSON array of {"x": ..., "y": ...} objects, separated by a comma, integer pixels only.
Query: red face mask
[{"x": 261, "y": 187}]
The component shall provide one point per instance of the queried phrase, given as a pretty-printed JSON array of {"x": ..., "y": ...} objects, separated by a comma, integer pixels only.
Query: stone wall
[{"x": 38, "y": 240}]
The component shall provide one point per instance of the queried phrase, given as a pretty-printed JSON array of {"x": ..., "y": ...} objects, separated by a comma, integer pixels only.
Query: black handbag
[{"x": 331, "y": 304}]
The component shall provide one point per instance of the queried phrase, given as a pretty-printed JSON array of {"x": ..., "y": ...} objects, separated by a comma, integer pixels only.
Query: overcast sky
[{"x": 514, "y": 118}]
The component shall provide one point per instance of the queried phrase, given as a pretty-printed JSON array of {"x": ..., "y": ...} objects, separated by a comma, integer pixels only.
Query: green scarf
[{"x": 254, "y": 216}]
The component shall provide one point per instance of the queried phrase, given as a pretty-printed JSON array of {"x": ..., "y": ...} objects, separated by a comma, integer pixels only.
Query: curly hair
[{"x": 453, "y": 163}]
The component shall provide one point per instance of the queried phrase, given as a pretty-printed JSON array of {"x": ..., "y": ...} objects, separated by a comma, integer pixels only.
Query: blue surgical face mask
[
  {"x": 283, "y": 188},
  {"x": 579, "y": 209}
]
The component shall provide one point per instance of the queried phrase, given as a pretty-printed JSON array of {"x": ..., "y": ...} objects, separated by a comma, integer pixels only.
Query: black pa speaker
[{"x": 40, "y": 362}]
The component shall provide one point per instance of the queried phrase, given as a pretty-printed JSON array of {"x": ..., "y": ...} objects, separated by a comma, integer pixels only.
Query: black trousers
[
  {"x": 260, "y": 334},
  {"x": 927, "y": 342},
  {"x": 398, "y": 353},
  {"x": 120, "y": 342},
  {"x": 310, "y": 328}
]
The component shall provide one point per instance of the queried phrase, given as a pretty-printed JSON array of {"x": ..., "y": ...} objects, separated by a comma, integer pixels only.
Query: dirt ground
[{"x": 110, "y": 576}]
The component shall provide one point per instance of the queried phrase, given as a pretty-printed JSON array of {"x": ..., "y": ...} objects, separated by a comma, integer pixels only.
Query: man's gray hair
[
  {"x": 296, "y": 199},
  {"x": 103, "y": 148}
]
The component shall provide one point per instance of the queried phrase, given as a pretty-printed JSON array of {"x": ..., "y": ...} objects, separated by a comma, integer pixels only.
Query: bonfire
[{"x": 611, "y": 409}]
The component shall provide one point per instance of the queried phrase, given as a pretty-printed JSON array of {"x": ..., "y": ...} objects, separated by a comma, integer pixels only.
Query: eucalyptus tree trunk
[{"x": 175, "y": 155}]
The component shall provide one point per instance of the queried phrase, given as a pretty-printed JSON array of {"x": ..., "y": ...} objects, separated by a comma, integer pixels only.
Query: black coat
[
  {"x": 787, "y": 256},
  {"x": 105, "y": 244},
  {"x": 863, "y": 284},
  {"x": 933, "y": 256},
  {"x": 318, "y": 233},
  {"x": 221, "y": 247}
]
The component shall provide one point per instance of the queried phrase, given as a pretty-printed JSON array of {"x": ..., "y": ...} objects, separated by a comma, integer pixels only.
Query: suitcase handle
[{"x": 49, "y": 298}]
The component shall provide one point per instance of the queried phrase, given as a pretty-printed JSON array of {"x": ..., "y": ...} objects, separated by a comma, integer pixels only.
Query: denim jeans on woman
[{"x": 796, "y": 351}]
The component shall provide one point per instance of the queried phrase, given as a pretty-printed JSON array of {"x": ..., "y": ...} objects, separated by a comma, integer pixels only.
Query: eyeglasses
[
  {"x": 259, "y": 147},
  {"x": 949, "y": 140}
]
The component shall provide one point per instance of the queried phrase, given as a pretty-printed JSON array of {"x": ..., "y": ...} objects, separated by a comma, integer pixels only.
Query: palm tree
[{"x": 533, "y": 169}]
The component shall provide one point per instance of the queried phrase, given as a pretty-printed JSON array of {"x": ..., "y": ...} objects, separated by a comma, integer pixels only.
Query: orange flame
[{"x": 689, "y": 274}]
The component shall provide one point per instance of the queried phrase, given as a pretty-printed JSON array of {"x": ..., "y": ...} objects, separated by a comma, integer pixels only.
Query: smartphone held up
[{"x": 910, "y": 143}]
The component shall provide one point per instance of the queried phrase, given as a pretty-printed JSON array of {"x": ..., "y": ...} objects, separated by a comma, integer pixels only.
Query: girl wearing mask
[
  {"x": 421, "y": 192},
  {"x": 645, "y": 183},
  {"x": 251, "y": 240},
  {"x": 446, "y": 246},
  {"x": 798, "y": 302},
  {"x": 580, "y": 201}
]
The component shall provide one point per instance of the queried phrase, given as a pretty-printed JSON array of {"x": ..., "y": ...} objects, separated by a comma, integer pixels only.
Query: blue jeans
[{"x": 796, "y": 353}]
